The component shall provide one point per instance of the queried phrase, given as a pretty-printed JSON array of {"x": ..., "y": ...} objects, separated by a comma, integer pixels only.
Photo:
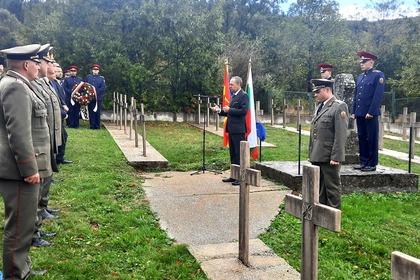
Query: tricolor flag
[
  {"x": 225, "y": 102},
  {"x": 251, "y": 129}
]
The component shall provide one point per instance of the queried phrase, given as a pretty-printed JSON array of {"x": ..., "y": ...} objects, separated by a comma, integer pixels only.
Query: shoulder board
[
  {"x": 338, "y": 101},
  {"x": 102, "y": 77},
  {"x": 376, "y": 71}
]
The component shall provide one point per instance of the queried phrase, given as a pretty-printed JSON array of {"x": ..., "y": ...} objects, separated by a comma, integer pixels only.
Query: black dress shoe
[
  {"x": 368, "y": 168},
  {"x": 47, "y": 234},
  {"x": 39, "y": 242},
  {"x": 236, "y": 183},
  {"x": 47, "y": 216},
  {"x": 359, "y": 167},
  {"x": 66, "y": 161},
  {"x": 54, "y": 180},
  {"x": 53, "y": 210},
  {"x": 228, "y": 180}
]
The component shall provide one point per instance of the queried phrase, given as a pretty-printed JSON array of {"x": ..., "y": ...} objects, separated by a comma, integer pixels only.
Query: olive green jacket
[{"x": 25, "y": 147}]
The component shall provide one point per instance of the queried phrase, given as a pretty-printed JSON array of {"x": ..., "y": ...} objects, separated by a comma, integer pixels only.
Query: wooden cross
[
  {"x": 404, "y": 267},
  {"x": 312, "y": 214},
  {"x": 258, "y": 111},
  {"x": 246, "y": 177},
  {"x": 382, "y": 121},
  {"x": 121, "y": 110}
]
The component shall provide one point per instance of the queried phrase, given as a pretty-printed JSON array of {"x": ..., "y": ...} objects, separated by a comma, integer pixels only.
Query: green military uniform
[
  {"x": 327, "y": 142},
  {"x": 24, "y": 151},
  {"x": 52, "y": 105}
]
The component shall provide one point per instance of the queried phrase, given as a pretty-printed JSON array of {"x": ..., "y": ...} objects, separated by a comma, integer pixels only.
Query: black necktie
[{"x": 319, "y": 108}]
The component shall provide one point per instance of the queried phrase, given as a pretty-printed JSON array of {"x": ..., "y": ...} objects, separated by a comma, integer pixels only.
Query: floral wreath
[{"x": 83, "y": 93}]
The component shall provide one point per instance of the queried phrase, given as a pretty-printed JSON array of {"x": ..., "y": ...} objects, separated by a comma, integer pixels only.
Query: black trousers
[{"x": 235, "y": 146}]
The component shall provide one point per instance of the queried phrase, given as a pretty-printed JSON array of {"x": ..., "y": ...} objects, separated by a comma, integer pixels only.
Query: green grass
[
  {"x": 373, "y": 225},
  {"x": 106, "y": 229}
]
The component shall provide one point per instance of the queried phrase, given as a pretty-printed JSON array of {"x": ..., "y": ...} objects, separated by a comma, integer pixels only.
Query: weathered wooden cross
[
  {"x": 382, "y": 121},
  {"x": 312, "y": 214},
  {"x": 404, "y": 267},
  {"x": 143, "y": 127},
  {"x": 121, "y": 110},
  {"x": 113, "y": 108},
  {"x": 246, "y": 177}
]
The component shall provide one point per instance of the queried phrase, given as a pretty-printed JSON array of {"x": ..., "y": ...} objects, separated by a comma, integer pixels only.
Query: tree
[{"x": 10, "y": 30}]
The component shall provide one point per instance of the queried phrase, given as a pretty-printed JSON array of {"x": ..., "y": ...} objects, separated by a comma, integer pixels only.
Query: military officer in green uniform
[
  {"x": 51, "y": 101},
  {"x": 24, "y": 156},
  {"x": 327, "y": 141}
]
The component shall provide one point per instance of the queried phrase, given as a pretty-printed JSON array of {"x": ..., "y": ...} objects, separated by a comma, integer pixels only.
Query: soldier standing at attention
[
  {"x": 325, "y": 70},
  {"x": 25, "y": 151},
  {"x": 99, "y": 83},
  {"x": 43, "y": 88},
  {"x": 370, "y": 87},
  {"x": 327, "y": 141},
  {"x": 74, "y": 110}
]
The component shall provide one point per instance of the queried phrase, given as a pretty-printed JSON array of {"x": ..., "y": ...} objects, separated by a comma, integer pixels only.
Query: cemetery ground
[{"x": 106, "y": 229}]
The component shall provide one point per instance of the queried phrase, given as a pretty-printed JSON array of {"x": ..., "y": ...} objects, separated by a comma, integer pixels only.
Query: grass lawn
[
  {"x": 106, "y": 229},
  {"x": 373, "y": 225}
]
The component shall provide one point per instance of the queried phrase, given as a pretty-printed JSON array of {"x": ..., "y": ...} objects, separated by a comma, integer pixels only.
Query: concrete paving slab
[
  {"x": 133, "y": 154},
  {"x": 220, "y": 261},
  {"x": 387, "y": 152},
  {"x": 384, "y": 179},
  {"x": 203, "y": 212}
]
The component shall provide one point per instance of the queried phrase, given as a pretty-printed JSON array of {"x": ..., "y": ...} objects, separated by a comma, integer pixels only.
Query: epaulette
[
  {"x": 338, "y": 101},
  {"x": 377, "y": 71},
  {"x": 102, "y": 77}
]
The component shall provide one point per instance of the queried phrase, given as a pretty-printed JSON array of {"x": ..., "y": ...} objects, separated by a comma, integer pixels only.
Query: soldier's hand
[
  {"x": 33, "y": 179},
  {"x": 226, "y": 109},
  {"x": 333, "y": 162},
  {"x": 353, "y": 116},
  {"x": 368, "y": 116}
]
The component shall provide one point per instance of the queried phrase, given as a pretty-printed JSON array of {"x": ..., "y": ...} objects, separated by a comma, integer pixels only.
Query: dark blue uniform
[
  {"x": 99, "y": 83},
  {"x": 370, "y": 88},
  {"x": 74, "y": 110}
]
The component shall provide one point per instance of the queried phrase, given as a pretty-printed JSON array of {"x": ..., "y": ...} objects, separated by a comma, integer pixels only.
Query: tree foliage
[{"x": 163, "y": 52}]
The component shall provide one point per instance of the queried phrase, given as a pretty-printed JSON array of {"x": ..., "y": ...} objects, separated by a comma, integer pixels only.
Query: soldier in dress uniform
[
  {"x": 325, "y": 70},
  {"x": 99, "y": 83},
  {"x": 25, "y": 157},
  {"x": 370, "y": 87},
  {"x": 51, "y": 99},
  {"x": 327, "y": 141},
  {"x": 74, "y": 110}
]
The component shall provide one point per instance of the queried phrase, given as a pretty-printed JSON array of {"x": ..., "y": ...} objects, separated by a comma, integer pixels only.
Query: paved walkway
[
  {"x": 387, "y": 152},
  {"x": 203, "y": 212}
]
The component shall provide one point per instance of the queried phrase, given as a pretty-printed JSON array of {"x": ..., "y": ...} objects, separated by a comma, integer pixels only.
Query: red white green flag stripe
[{"x": 251, "y": 133}]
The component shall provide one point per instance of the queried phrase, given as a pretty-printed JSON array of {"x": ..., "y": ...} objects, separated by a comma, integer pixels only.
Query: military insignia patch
[
  {"x": 381, "y": 80},
  {"x": 343, "y": 115}
]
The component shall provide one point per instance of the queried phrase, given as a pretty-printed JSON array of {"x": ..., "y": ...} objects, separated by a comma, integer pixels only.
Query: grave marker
[
  {"x": 246, "y": 177},
  {"x": 312, "y": 214},
  {"x": 404, "y": 267}
]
